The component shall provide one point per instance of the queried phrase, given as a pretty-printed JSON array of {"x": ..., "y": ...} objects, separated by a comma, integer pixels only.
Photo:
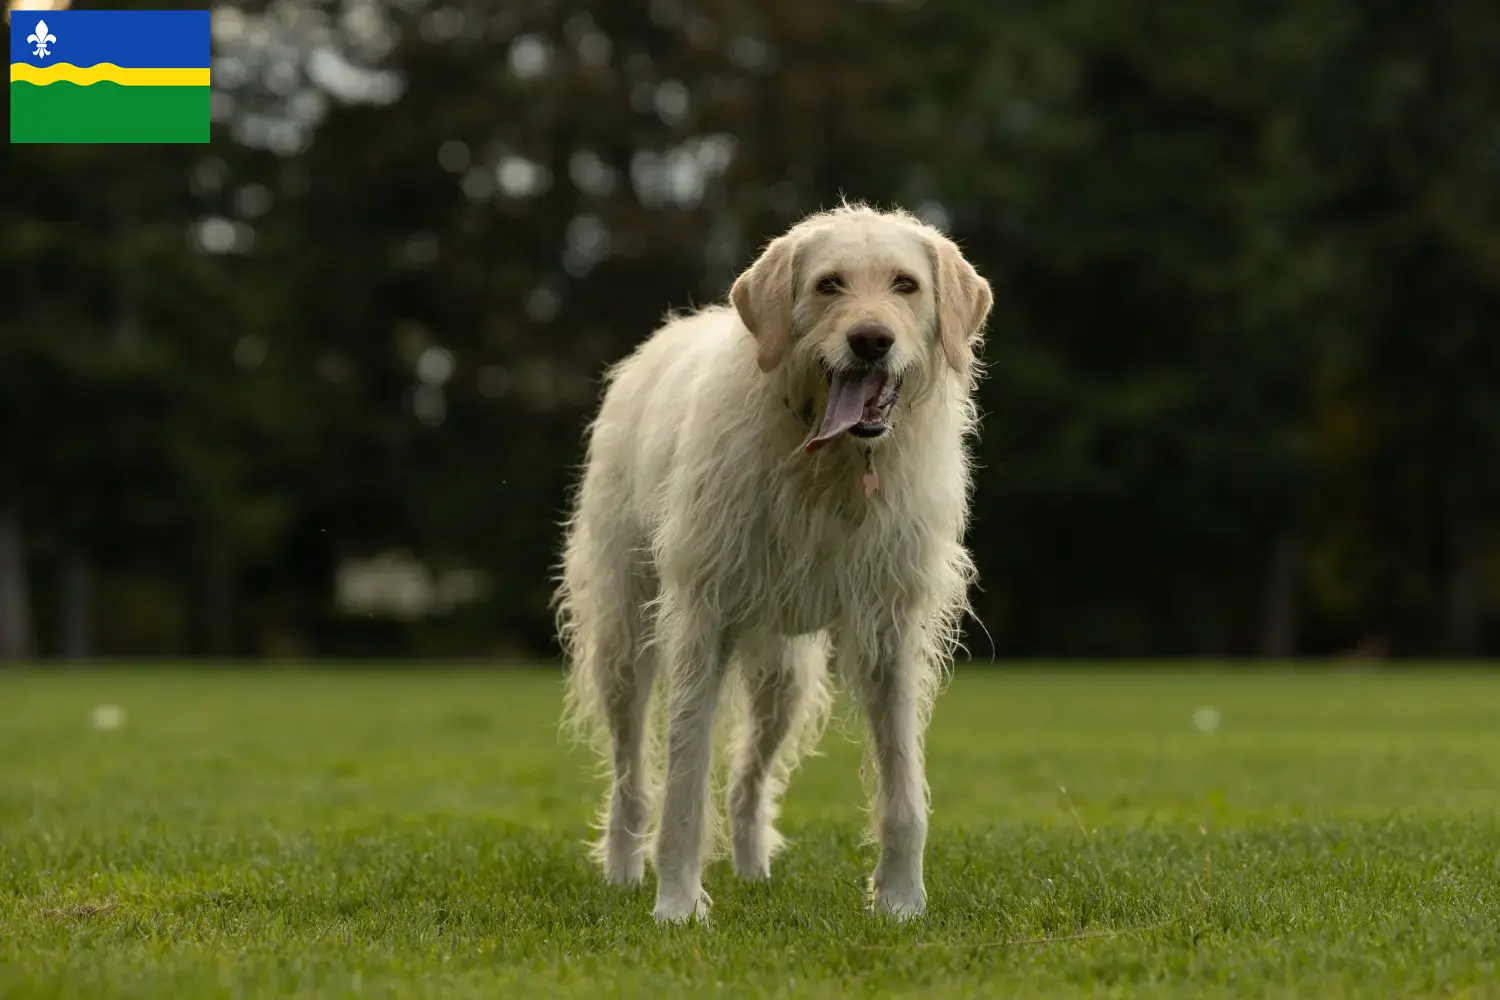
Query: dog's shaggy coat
[{"x": 720, "y": 536}]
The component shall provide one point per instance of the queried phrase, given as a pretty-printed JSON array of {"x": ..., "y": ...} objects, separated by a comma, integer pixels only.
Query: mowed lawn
[{"x": 275, "y": 832}]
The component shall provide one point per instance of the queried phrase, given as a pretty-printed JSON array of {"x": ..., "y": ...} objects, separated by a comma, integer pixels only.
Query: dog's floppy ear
[
  {"x": 763, "y": 295},
  {"x": 963, "y": 302}
]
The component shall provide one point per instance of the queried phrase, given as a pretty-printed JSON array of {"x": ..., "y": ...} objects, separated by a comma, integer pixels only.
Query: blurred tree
[
  {"x": 1241, "y": 378},
  {"x": 1408, "y": 120}
]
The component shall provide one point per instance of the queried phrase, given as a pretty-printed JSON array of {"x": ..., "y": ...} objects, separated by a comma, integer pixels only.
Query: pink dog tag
[{"x": 871, "y": 479}]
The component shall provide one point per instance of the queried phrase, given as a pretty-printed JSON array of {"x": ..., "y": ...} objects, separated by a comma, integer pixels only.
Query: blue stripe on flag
[{"x": 134, "y": 39}]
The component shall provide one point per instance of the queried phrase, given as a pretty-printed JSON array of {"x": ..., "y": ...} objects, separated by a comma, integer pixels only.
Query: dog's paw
[
  {"x": 754, "y": 847},
  {"x": 753, "y": 870},
  {"x": 752, "y": 860},
  {"x": 901, "y": 898},
  {"x": 680, "y": 907},
  {"x": 627, "y": 876},
  {"x": 887, "y": 905},
  {"x": 627, "y": 870}
]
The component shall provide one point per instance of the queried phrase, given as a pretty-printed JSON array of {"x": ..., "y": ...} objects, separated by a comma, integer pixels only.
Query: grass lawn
[{"x": 419, "y": 833}]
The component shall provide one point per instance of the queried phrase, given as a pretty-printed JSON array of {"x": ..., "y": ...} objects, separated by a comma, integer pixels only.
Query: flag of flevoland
[{"x": 137, "y": 76}]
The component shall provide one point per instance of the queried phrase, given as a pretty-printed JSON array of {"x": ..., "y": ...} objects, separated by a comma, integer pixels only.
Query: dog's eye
[
  {"x": 905, "y": 284},
  {"x": 830, "y": 284}
]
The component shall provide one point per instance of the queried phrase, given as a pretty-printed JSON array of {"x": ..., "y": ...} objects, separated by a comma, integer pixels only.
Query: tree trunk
[
  {"x": 75, "y": 639},
  {"x": 1278, "y": 628},
  {"x": 15, "y": 595}
]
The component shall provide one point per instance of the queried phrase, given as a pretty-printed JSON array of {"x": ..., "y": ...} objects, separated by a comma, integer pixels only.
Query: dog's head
[{"x": 855, "y": 306}]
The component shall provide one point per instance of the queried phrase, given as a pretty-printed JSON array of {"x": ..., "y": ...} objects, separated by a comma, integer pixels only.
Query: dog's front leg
[
  {"x": 695, "y": 655},
  {"x": 893, "y": 702}
]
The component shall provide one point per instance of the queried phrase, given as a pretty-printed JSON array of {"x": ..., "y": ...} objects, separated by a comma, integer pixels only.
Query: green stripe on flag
[{"x": 107, "y": 112}]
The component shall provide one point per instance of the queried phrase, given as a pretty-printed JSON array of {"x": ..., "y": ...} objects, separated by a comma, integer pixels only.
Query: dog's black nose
[{"x": 870, "y": 341}]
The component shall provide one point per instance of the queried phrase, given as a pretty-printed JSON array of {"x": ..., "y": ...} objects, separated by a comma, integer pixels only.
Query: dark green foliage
[{"x": 1243, "y": 367}]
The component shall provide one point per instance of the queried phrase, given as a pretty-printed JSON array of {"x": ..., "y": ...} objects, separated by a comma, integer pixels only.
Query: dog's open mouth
[{"x": 859, "y": 403}]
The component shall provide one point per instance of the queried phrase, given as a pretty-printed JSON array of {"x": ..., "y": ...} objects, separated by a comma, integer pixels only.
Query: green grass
[{"x": 277, "y": 833}]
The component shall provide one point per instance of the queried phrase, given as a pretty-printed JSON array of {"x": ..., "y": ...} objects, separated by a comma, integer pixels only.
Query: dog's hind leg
[
  {"x": 785, "y": 685},
  {"x": 623, "y": 851},
  {"x": 609, "y": 692}
]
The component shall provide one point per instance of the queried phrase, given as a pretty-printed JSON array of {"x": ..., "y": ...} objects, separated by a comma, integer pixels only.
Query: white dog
[{"x": 724, "y": 531}]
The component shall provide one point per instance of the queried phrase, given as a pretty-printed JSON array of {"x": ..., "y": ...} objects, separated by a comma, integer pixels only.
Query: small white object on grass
[
  {"x": 1206, "y": 719},
  {"x": 107, "y": 717}
]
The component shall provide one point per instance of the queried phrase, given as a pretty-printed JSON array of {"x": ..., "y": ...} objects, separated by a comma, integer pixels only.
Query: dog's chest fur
[{"x": 829, "y": 549}]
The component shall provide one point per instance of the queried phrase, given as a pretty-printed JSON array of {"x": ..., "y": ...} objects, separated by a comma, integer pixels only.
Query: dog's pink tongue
[{"x": 846, "y": 406}]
